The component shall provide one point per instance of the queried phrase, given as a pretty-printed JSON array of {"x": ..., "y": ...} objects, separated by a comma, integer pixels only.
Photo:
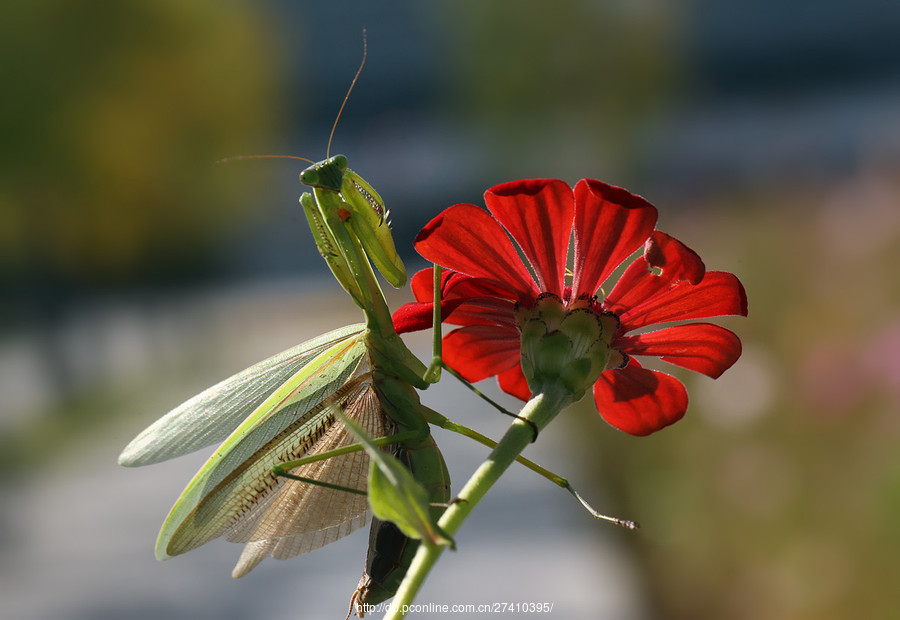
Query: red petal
[
  {"x": 461, "y": 285},
  {"x": 538, "y": 214},
  {"x": 676, "y": 260},
  {"x": 642, "y": 298},
  {"x": 610, "y": 224},
  {"x": 413, "y": 317},
  {"x": 673, "y": 261},
  {"x": 513, "y": 382},
  {"x": 701, "y": 347},
  {"x": 422, "y": 283},
  {"x": 639, "y": 401},
  {"x": 481, "y": 351},
  {"x": 483, "y": 311},
  {"x": 466, "y": 301},
  {"x": 456, "y": 285},
  {"x": 467, "y": 239}
]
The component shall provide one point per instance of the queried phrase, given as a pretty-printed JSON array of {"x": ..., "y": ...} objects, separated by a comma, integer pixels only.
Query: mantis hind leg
[
  {"x": 493, "y": 403},
  {"x": 443, "y": 422},
  {"x": 283, "y": 469}
]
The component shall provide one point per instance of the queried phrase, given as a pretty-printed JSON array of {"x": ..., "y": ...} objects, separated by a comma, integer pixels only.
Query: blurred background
[{"x": 136, "y": 271}]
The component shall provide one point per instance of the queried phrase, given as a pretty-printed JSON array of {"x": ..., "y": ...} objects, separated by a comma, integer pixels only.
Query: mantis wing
[
  {"x": 292, "y": 517},
  {"x": 212, "y": 415},
  {"x": 236, "y": 494}
]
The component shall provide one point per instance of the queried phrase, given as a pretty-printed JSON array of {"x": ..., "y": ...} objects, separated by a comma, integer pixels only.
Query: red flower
[{"x": 489, "y": 279}]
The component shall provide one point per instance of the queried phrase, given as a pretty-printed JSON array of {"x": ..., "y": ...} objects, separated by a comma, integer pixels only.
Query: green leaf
[{"x": 395, "y": 495}]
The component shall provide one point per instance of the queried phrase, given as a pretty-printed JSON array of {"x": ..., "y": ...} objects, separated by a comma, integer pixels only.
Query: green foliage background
[{"x": 113, "y": 115}]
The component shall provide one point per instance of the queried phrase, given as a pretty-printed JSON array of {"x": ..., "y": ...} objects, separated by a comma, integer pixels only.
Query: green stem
[{"x": 540, "y": 410}]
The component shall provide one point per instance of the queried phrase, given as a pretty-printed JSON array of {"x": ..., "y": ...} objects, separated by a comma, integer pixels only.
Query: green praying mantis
[{"x": 316, "y": 438}]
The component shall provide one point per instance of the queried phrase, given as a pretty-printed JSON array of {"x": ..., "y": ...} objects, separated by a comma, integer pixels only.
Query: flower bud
[{"x": 563, "y": 344}]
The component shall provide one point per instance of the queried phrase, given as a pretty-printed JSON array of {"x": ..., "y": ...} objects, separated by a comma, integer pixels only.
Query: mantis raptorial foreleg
[{"x": 433, "y": 373}]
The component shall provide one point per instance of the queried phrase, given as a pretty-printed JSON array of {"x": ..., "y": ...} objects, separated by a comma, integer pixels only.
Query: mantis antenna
[
  {"x": 333, "y": 127},
  {"x": 225, "y": 160},
  {"x": 347, "y": 96}
]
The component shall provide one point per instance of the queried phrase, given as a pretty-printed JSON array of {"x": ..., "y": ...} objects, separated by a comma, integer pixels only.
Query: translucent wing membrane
[
  {"x": 236, "y": 495},
  {"x": 223, "y": 487},
  {"x": 212, "y": 415},
  {"x": 291, "y": 517}
]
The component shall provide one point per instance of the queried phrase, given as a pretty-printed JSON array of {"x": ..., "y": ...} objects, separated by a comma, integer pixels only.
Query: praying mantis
[
  {"x": 286, "y": 407},
  {"x": 303, "y": 433}
]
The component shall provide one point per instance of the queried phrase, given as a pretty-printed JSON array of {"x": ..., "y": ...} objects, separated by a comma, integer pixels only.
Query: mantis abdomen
[{"x": 390, "y": 551}]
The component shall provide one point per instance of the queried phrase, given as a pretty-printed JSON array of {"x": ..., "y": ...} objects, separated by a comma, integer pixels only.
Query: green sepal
[
  {"x": 395, "y": 495},
  {"x": 554, "y": 352},
  {"x": 550, "y": 308},
  {"x": 562, "y": 345},
  {"x": 532, "y": 332},
  {"x": 583, "y": 328}
]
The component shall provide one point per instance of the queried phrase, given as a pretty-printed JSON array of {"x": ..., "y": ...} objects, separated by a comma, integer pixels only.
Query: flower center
[{"x": 566, "y": 342}]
